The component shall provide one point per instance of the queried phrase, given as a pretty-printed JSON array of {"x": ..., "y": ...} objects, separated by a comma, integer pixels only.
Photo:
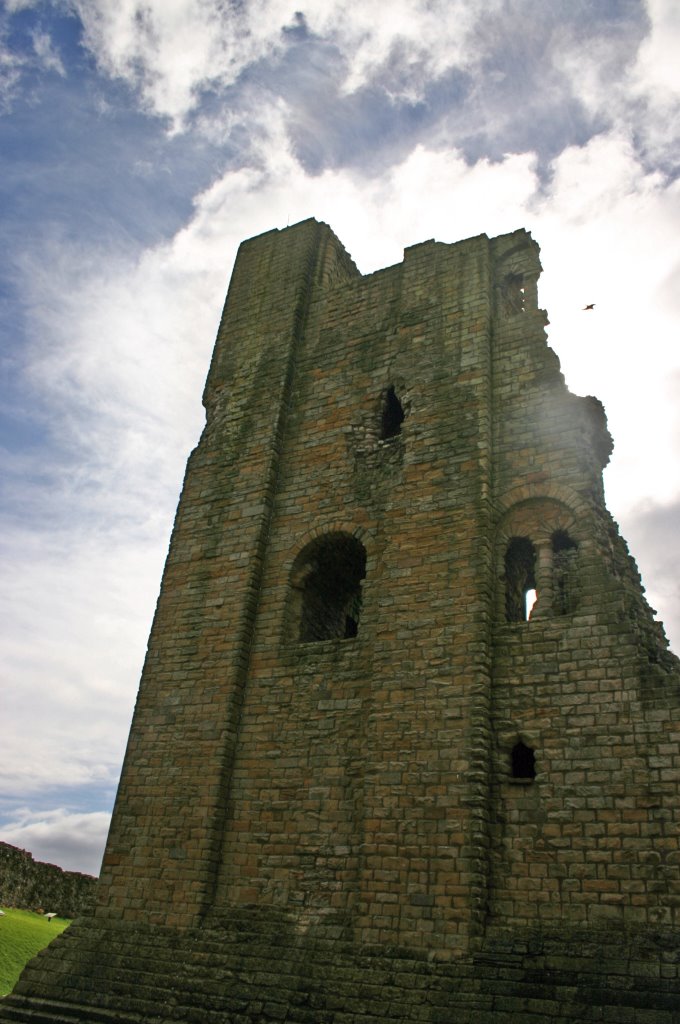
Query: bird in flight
[{"x": 591, "y": 305}]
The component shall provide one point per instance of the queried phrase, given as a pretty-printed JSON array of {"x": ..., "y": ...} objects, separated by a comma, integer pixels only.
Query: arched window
[
  {"x": 522, "y": 762},
  {"x": 538, "y": 562},
  {"x": 565, "y": 581},
  {"x": 392, "y": 414},
  {"x": 327, "y": 582},
  {"x": 520, "y": 579}
]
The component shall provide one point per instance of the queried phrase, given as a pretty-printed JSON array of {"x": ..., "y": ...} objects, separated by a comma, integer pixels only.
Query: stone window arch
[
  {"x": 326, "y": 588},
  {"x": 539, "y": 569}
]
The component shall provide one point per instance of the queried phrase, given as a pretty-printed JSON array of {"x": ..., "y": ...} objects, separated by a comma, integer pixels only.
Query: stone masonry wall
[
  {"x": 360, "y": 808},
  {"x": 257, "y": 968},
  {"x": 589, "y": 686},
  {"x": 30, "y": 884},
  {"x": 166, "y": 831},
  {"x": 364, "y": 780}
]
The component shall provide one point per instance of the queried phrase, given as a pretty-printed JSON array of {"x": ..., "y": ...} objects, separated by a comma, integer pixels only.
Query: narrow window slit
[
  {"x": 565, "y": 578},
  {"x": 523, "y": 762},
  {"x": 530, "y": 598},
  {"x": 513, "y": 294},
  {"x": 520, "y": 579},
  {"x": 392, "y": 415}
]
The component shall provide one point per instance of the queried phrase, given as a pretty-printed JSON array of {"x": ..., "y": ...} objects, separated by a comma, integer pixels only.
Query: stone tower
[{"x": 366, "y": 780}]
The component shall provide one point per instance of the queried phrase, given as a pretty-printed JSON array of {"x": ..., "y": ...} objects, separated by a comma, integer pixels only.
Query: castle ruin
[{"x": 406, "y": 742}]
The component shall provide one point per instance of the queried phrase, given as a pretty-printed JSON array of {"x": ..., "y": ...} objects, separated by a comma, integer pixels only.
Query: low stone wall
[{"x": 32, "y": 885}]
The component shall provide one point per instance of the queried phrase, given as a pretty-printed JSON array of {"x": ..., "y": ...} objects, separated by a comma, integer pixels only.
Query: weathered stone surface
[
  {"x": 257, "y": 966},
  {"x": 360, "y": 785},
  {"x": 31, "y": 885}
]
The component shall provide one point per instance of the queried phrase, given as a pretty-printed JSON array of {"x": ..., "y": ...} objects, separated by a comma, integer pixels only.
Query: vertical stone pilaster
[{"x": 165, "y": 839}]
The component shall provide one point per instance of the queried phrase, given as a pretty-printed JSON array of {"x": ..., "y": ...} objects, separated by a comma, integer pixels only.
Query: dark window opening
[
  {"x": 513, "y": 294},
  {"x": 392, "y": 415},
  {"x": 565, "y": 580},
  {"x": 331, "y": 588},
  {"x": 520, "y": 579},
  {"x": 523, "y": 762}
]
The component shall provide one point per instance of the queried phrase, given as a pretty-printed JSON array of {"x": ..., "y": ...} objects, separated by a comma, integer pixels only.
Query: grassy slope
[{"x": 22, "y": 935}]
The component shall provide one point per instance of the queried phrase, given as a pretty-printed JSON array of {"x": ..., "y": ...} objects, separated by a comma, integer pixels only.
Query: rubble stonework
[
  {"x": 31, "y": 885},
  {"x": 362, "y": 785}
]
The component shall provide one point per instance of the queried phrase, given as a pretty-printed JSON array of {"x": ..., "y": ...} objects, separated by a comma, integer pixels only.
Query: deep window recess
[
  {"x": 520, "y": 579},
  {"x": 330, "y": 588},
  {"x": 392, "y": 415},
  {"x": 564, "y": 557},
  {"x": 513, "y": 294},
  {"x": 522, "y": 762}
]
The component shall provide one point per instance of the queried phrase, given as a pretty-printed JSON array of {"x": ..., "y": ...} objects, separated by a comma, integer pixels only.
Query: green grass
[{"x": 22, "y": 935}]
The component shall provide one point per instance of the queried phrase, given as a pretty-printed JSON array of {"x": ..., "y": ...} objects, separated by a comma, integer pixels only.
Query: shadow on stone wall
[{"x": 256, "y": 966}]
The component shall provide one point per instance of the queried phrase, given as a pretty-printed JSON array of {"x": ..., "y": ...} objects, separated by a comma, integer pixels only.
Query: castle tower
[{"x": 353, "y": 730}]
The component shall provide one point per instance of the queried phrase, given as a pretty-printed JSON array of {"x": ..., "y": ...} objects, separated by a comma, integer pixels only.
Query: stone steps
[
  {"x": 264, "y": 975},
  {"x": 48, "y": 1011}
]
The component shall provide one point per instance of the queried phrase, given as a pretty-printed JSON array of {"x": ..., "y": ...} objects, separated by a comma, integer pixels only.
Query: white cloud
[
  {"x": 14, "y": 63},
  {"x": 657, "y": 68},
  {"x": 177, "y": 51},
  {"x": 10, "y": 76},
  {"x": 173, "y": 49},
  {"x": 654, "y": 528},
  {"x": 48, "y": 57},
  {"x": 77, "y": 611},
  {"x": 608, "y": 232},
  {"x": 655, "y": 82},
  {"x": 425, "y": 38},
  {"x": 72, "y": 841},
  {"x": 117, "y": 367},
  {"x": 638, "y": 90},
  {"x": 12, "y": 6}
]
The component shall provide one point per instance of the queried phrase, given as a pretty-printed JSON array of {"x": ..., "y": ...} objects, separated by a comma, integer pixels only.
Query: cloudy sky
[{"x": 141, "y": 140}]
